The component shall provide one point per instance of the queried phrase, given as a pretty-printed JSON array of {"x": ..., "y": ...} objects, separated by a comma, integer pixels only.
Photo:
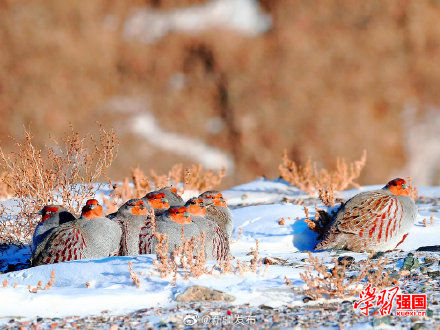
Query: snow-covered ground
[
  {"x": 257, "y": 206},
  {"x": 242, "y": 16}
]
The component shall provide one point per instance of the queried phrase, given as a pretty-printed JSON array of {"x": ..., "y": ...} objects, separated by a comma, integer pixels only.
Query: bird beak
[
  {"x": 164, "y": 200},
  {"x": 404, "y": 186},
  {"x": 186, "y": 214},
  {"x": 92, "y": 206}
]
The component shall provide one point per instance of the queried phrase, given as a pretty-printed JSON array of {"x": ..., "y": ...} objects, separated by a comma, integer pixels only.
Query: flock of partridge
[
  {"x": 370, "y": 221},
  {"x": 131, "y": 230}
]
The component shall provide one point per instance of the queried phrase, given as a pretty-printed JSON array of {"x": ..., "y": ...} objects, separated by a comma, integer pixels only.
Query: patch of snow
[
  {"x": 143, "y": 123},
  {"x": 242, "y": 16},
  {"x": 112, "y": 289},
  {"x": 146, "y": 126}
]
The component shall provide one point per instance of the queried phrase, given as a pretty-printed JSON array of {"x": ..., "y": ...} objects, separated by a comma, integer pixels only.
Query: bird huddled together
[
  {"x": 377, "y": 220},
  {"x": 134, "y": 228}
]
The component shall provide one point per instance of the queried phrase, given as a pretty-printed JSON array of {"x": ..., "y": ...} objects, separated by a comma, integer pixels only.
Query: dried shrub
[
  {"x": 241, "y": 267},
  {"x": 327, "y": 196},
  {"x": 322, "y": 182},
  {"x": 65, "y": 173},
  {"x": 5, "y": 283},
  {"x": 189, "y": 257},
  {"x": 320, "y": 223},
  {"x": 163, "y": 265},
  {"x": 51, "y": 281},
  {"x": 337, "y": 283},
  {"x": 281, "y": 221},
  {"x": 39, "y": 284},
  {"x": 133, "y": 276},
  {"x": 414, "y": 192},
  {"x": 5, "y": 191},
  {"x": 196, "y": 179},
  {"x": 192, "y": 178}
]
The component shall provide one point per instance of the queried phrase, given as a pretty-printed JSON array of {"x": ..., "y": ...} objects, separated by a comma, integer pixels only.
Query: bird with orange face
[
  {"x": 132, "y": 216},
  {"x": 376, "y": 220},
  {"x": 172, "y": 196},
  {"x": 217, "y": 210},
  {"x": 89, "y": 237},
  {"x": 173, "y": 222},
  {"x": 51, "y": 217},
  {"x": 216, "y": 241},
  {"x": 159, "y": 205},
  {"x": 157, "y": 201}
]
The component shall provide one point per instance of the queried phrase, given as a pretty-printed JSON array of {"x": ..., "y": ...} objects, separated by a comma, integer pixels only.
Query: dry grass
[
  {"x": 197, "y": 179},
  {"x": 336, "y": 282},
  {"x": 39, "y": 284},
  {"x": 322, "y": 183},
  {"x": 414, "y": 192},
  {"x": 5, "y": 191},
  {"x": 189, "y": 257},
  {"x": 431, "y": 221},
  {"x": 64, "y": 173},
  {"x": 133, "y": 276},
  {"x": 320, "y": 223},
  {"x": 191, "y": 178}
]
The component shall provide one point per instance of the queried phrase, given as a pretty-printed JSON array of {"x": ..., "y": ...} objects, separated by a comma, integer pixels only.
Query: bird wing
[
  {"x": 364, "y": 215},
  {"x": 221, "y": 244},
  {"x": 67, "y": 243},
  {"x": 147, "y": 239}
]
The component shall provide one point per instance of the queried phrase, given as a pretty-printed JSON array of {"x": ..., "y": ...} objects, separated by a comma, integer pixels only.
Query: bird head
[
  {"x": 180, "y": 215},
  {"x": 398, "y": 187},
  {"x": 48, "y": 210},
  {"x": 137, "y": 207},
  {"x": 92, "y": 210},
  {"x": 158, "y": 200},
  {"x": 196, "y": 206}
]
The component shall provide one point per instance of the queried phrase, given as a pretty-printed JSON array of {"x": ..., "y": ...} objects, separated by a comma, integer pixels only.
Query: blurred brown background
[{"x": 230, "y": 82}]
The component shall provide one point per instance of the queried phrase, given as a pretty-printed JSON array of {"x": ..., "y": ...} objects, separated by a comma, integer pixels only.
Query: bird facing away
[
  {"x": 218, "y": 211},
  {"x": 89, "y": 237},
  {"x": 374, "y": 221},
  {"x": 132, "y": 216},
  {"x": 51, "y": 217},
  {"x": 172, "y": 196}
]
